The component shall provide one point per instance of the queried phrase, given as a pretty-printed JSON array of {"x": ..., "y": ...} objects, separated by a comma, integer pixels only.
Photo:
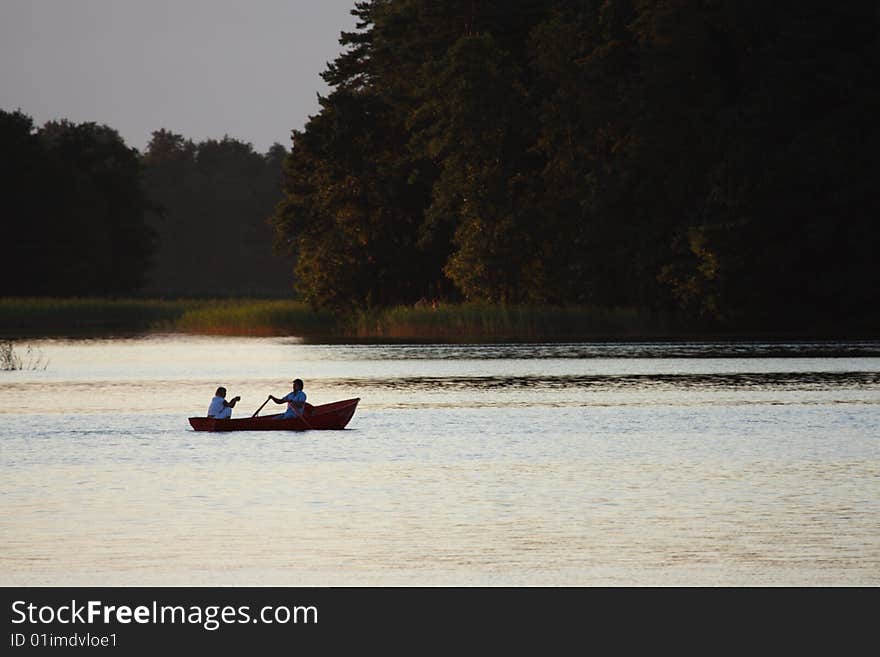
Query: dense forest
[
  {"x": 74, "y": 211},
  {"x": 711, "y": 157},
  {"x": 85, "y": 215},
  {"x": 214, "y": 201}
]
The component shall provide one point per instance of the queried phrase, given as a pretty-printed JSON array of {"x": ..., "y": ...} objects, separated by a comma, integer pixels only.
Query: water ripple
[
  {"x": 579, "y": 350},
  {"x": 725, "y": 381}
]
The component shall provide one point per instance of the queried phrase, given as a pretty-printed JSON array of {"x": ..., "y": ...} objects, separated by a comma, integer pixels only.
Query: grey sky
[{"x": 201, "y": 68}]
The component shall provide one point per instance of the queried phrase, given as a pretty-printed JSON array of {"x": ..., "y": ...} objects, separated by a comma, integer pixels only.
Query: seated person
[
  {"x": 296, "y": 401},
  {"x": 221, "y": 409}
]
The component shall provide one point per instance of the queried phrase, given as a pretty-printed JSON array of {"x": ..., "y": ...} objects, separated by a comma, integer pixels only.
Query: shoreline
[{"x": 81, "y": 318}]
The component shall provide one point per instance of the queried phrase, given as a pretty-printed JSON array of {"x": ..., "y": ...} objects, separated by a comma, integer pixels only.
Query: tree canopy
[
  {"x": 74, "y": 210},
  {"x": 713, "y": 158},
  {"x": 710, "y": 156},
  {"x": 85, "y": 215},
  {"x": 213, "y": 200}
]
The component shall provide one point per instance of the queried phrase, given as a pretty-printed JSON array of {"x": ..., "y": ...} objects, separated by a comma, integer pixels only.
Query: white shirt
[{"x": 216, "y": 407}]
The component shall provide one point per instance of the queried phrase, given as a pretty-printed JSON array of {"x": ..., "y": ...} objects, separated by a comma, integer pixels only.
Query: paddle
[{"x": 261, "y": 407}]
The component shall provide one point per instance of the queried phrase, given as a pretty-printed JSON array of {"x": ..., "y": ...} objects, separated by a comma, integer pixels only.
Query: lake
[{"x": 577, "y": 464}]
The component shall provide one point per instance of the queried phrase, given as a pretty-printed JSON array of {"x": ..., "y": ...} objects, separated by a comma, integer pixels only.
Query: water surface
[{"x": 514, "y": 464}]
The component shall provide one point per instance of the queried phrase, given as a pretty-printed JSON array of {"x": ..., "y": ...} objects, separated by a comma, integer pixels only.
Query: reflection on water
[
  {"x": 561, "y": 464},
  {"x": 703, "y": 349},
  {"x": 683, "y": 382}
]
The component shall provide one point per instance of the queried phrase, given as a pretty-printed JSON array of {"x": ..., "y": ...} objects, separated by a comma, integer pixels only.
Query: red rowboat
[{"x": 326, "y": 416}]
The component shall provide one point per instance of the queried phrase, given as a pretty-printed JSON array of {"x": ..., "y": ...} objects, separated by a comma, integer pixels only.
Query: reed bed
[
  {"x": 443, "y": 322},
  {"x": 11, "y": 359},
  {"x": 25, "y": 317},
  {"x": 505, "y": 322},
  {"x": 85, "y": 317},
  {"x": 243, "y": 317}
]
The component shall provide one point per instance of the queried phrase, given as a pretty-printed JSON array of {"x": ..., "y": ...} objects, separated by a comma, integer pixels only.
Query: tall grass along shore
[
  {"x": 11, "y": 359},
  {"x": 249, "y": 317},
  {"x": 33, "y": 317},
  {"x": 502, "y": 322},
  {"x": 36, "y": 317},
  {"x": 445, "y": 322}
]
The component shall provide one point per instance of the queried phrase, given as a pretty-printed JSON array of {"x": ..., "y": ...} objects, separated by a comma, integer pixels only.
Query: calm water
[{"x": 552, "y": 464}]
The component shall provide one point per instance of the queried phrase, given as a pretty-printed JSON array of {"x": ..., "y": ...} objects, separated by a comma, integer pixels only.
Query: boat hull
[{"x": 326, "y": 416}]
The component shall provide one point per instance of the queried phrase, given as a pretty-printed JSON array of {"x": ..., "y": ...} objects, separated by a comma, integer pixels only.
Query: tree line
[
  {"x": 710, "y": 157},
  {"x": 215, "y": 198},
  {"x": 86, "y": 215}
]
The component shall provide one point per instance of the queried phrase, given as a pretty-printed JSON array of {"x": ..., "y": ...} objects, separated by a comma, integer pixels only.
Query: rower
[
  {"x": 296, "y": 400},
  {"x": 220, "y": 409}
]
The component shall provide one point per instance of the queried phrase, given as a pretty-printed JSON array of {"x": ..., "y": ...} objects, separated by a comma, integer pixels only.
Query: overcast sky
[{"x": 201, "y": 68}]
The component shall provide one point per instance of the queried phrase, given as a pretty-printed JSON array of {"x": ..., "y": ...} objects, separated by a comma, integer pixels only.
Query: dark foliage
[
  {"x": 213, "y": 200},
  {"x": 84, "y": 215},
  {"x": 74, "y": 211},
  {"x": 714, "y": 156}
]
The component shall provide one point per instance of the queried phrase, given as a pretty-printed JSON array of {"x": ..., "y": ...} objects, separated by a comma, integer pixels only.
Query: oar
[{"x": 261, "y": 407}]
